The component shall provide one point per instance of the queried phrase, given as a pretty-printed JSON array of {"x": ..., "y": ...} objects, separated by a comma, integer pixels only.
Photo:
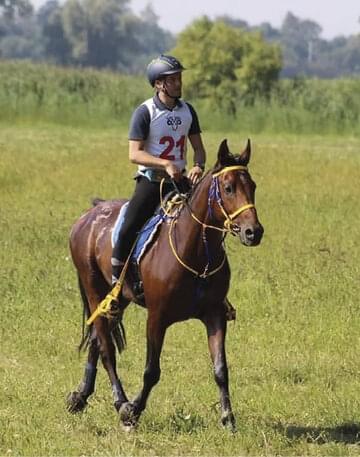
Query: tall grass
[
  {"x": 295, "y": 106},
  {"x": 68, "y": 96}
]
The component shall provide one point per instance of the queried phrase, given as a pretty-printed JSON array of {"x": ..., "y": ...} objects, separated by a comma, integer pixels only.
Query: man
[{"x": 159, "y": 130}]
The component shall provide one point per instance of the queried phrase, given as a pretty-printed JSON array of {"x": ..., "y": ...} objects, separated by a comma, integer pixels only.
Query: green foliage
[
  {"x": 29, "y": 91},
  {"x": 57, "y": 47},
  {"x": 106, "y": 33},
  {"x": 68, "y": 95},
  {"x": 97, "y": 31},
  {"x": 13, "y": 8},
  {"x": 94, "y": 33},
  {"x": 226, "y": 60}
]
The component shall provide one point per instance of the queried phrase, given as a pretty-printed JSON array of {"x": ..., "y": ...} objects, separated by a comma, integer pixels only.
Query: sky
[{"x": 336, "y": 17}]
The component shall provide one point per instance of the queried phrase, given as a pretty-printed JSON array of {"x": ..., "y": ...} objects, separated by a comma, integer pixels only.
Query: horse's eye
[{"x": 228, "y": 188}]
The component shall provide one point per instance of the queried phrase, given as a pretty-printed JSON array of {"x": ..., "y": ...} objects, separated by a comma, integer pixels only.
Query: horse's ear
[
  {"x": 223, "y": 153},
  {"x": 245, "y": 155}
]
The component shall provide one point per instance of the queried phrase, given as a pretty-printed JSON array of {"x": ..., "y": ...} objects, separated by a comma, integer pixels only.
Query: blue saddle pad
[{"x": 146, "y": 235}]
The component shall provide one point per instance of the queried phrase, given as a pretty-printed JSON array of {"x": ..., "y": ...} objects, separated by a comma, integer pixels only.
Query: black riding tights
[{"x": 141, "y": 207}]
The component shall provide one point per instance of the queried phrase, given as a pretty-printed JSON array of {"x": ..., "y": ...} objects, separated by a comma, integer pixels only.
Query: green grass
[{"x": 293, "y": 351}]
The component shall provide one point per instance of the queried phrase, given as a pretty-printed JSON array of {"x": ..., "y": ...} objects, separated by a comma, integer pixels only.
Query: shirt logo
[{"x": 173, "y": 121}]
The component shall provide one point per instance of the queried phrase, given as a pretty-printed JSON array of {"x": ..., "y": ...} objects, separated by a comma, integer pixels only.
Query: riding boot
[
  {"x": 116, "y": 269},
  {"x": 138, "y": 287}
]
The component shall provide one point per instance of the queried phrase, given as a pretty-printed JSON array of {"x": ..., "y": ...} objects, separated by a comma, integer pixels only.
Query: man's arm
[{"x": 196, "y": 171}]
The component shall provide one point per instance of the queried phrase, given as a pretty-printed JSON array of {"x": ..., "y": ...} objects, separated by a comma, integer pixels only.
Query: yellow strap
[
  {"x": 240, "y": 210},
  {"x": 233, "y": 167},
  {"x": 192, "y": 270},
  {"x": 206, "y": 225},
  {"x": 104, "y": 306}
]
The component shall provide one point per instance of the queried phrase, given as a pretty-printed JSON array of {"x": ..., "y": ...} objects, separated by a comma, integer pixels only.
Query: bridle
[
  {"x": 228, "y": 226},
  {"x": 214, "y": 192}
]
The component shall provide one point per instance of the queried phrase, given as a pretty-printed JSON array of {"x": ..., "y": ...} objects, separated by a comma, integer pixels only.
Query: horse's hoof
[
  {"x": 128, "y": 417},
  {"x": 75, "y": 402},
  {"x": 228, "y": 421},
  {"x": 128, "y": 428}
]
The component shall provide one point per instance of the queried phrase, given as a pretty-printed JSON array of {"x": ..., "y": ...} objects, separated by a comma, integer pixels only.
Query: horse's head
[{"x": 234, "y": 192}]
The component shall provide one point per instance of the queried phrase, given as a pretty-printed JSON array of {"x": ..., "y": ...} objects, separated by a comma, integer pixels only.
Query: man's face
[{"x": 173, "y": 84}]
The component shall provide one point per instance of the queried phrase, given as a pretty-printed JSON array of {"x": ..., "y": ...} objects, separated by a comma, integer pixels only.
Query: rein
[{"x": 214, "y": 193}]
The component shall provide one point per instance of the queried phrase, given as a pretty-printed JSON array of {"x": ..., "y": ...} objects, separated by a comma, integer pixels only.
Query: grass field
[{"x": 293, "y": 352}]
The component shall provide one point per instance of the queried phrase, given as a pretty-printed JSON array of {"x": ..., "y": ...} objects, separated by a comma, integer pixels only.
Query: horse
[{"x": 185, "y": 274}]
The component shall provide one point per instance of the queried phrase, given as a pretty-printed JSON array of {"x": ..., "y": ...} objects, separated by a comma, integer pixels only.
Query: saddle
[{"x": 168, "y": 208}]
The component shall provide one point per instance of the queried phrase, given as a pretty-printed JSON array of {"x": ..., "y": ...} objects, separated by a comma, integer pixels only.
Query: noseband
[{"x": 214, "y": 193}]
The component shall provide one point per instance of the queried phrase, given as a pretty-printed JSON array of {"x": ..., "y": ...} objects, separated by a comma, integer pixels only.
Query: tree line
[
  {"x": 88, "y": 33},
  {"x": 108, "y": 34}
]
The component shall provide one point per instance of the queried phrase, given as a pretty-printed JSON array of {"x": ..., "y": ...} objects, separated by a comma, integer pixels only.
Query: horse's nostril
[{"x": 249, "y": 234}]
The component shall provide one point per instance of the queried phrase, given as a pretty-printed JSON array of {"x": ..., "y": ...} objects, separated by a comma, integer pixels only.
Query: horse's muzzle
[{"x": 251, "y": 235}]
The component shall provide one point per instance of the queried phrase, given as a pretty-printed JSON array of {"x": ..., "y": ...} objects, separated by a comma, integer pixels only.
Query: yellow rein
[{"x": 205, "y": 274}]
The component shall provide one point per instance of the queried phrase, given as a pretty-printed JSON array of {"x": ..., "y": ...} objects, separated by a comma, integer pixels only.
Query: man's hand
[
  {"x": 195, "y": 174},
  {"x": 173, "y": 171}
]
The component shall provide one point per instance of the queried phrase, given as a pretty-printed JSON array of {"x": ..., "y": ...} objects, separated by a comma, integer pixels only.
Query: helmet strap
[{"x": 164, "y": 88}]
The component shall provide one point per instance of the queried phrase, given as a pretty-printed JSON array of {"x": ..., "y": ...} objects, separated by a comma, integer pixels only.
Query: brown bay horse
[{"x": 185, "y": 274}]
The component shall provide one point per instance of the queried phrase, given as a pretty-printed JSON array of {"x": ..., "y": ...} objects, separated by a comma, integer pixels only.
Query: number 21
[{"x": 170, "y": 145}]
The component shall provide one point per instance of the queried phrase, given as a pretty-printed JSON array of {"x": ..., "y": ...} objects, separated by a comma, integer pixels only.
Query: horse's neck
[
  {"x": 199, "y": 208},
  {"x": 199, "y": 201}
]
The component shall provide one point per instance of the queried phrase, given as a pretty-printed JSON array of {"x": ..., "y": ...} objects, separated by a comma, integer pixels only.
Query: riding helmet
[{"x": 163, "y": 66}]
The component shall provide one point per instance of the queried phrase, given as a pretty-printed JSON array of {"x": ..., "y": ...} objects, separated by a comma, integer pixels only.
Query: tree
[
  {"x": 56, "y": 47},
  {"x": 99, "y": 31},
  {"x": 227, "y": 63},
  {"x": 151, "y": 39},
  {"x": 298, "y": 38},
  {"x": 19, "y": 34},
  {"x": 11, "y": 8}
]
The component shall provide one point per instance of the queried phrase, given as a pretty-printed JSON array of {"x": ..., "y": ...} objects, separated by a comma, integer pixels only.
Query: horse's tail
[{"x": 119, "y": 336}]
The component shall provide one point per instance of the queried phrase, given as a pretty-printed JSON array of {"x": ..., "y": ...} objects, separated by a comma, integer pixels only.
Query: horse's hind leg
[
  {"x": 77, "y": 400},
  {"x": 130, "y": 412},
  {"x": 215, "y": 323},
  {"x": 108, "y": 357},
  {"x": 96, "y": 289}
]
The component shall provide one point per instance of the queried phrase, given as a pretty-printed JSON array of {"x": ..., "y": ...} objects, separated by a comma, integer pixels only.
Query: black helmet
[{"x": 163, "y": 66}]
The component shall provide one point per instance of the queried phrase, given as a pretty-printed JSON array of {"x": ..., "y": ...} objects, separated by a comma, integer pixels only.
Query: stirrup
[{"x": 138, "y": 290}]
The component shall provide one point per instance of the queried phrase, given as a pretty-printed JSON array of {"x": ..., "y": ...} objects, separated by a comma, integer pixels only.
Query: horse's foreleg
[
  {"x": 77, "y": 400},
  {"x": 131, "y": 411},
  {"x": 216, "y": 331}
]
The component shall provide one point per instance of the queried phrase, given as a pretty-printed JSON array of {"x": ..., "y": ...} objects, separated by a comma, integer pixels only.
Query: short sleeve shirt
[{"x": 164, "y": 131}]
